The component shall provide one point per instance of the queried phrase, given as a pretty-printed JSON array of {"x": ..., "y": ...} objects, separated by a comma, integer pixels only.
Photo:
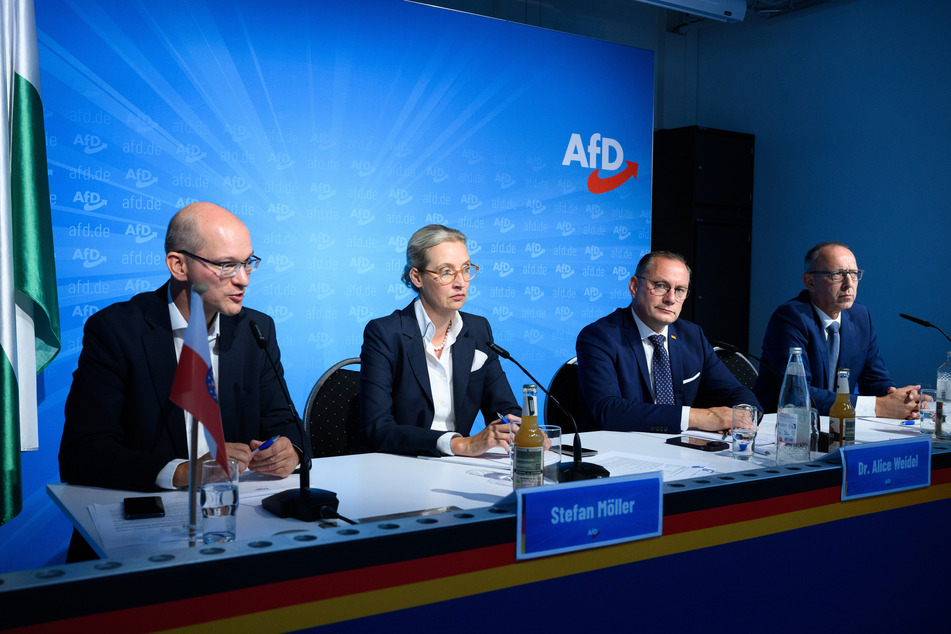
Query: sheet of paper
[{"x": 625, "y": 464}]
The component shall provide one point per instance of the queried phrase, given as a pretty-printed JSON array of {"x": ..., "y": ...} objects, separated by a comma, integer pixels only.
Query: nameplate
[
  {"x": 885, "y": 467},
  {"x": 588, "y": 514}
]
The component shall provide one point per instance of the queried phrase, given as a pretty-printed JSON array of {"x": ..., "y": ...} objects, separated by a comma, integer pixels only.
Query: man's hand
[
  {"x": 900, "y": 403},
  {"x": 280, "y": 459},
  {"x": 712, "y": 419},
  {"x": 236, "y": 450}
]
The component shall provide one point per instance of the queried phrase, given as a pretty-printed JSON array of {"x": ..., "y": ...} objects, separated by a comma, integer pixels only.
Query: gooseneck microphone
[
  {"x": 305, "y": 503},
  {"x": 922, "y": 322},
  {"x": 578, "y": 470}
]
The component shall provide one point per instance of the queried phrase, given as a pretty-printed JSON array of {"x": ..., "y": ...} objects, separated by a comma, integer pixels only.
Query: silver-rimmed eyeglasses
[
  {"x": 662, "y": 288},
  {"x": 228, "y": 269},
  {"x": 839, "y": 275}
]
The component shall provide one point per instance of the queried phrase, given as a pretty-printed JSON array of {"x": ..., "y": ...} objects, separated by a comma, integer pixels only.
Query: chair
[
  {"x": 564, "y": 387},
  {"x": 332, "y": 415},
  {"x": 737, "y": 363}
]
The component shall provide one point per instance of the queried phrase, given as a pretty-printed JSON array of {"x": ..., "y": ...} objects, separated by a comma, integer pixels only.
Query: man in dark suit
[
  {"x": 643, "y": 369},
  {"x": 427, "y": 370},
  {"x": 121, "y": 429},
  {"x": 810, "y": 320}
]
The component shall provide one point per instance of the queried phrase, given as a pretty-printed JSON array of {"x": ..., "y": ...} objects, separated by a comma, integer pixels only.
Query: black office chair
[
  {"x": 332, "y": 415},
  {"x": 564, "y": 387},
  {"x": 737, "y": 362}
]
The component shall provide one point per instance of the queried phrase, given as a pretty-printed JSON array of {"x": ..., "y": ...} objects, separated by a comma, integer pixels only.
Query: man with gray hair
[{"x": 834, "y": 332}]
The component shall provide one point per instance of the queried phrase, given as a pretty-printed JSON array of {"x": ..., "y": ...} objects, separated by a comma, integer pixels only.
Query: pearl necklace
[{"x": 439, "y": 349}]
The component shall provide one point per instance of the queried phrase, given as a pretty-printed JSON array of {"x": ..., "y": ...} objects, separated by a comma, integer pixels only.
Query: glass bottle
[
  {"x": 944, "y": 380},
  {"x": 529, "y": 449},
  {"x": 842, "y": 413},
  {"x": 793, "y": 418}
]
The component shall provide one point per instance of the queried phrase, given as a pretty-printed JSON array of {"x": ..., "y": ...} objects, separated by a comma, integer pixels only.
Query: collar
[
  {"x": 643, "y": 329},
  {"x": 426, "y": 327},
  {"x": 180, "y": 323},
  {"x": 825, "y": 319}
]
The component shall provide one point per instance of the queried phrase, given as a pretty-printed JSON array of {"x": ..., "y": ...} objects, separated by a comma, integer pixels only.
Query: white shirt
[
  {"x": 864, "y": 405},
  {"x": 440, "y": 375},
  {"x": 179, "y": 326},
  {"x": 645, "y": 332}
]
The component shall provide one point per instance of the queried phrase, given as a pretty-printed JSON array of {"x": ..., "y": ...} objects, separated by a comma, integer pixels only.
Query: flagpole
[{"x": 193, "y": 466}]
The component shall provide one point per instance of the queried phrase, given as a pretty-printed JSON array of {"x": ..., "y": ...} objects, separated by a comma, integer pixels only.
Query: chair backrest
[
  {"x": 738, "y": 365},
  {"x": 564, "y": 387},
  {"x": 332, "y": 415}
]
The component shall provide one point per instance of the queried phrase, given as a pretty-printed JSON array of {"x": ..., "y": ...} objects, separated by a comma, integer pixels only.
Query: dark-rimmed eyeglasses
[
  {"x": 447, "y": 274},
  {"x": 228, "y": 269},
  {"x": 839, "y": 275},
  {"x": 662, "y": 288}
]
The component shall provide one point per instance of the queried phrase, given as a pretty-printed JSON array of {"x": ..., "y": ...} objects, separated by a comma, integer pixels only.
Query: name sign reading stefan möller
[
  {"x": 588, "y": 514},
  {"x": 885, "y": 467}
]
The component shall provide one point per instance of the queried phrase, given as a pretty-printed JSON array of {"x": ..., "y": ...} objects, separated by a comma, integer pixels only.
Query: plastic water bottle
[
  {"x": 944, "y": 380},
  {"x": 793, "y": 418}
]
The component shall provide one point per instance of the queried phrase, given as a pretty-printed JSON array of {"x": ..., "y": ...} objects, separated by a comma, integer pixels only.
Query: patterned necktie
[
  {"x": 833, "y": 342},
  {"x": 663, "y": 386}
]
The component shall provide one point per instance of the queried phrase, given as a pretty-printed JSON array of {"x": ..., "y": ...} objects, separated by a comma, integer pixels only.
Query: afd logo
[
  {"x": 612, "y": 158},
  {"x": 565, "y": 271},
  {"x": 362, "y": 216},
  {"x": 281, "y": 160},
  {"x": 142, "y": 233},
  {"x": 533, "y": 336},
  {"x": 504, "y": 269},
  {"x": 85, "y": 311},
  {"x": 141, "y": 176},
  {"x": 438, "y": 174},
  {"x": 138, "y": 286},
  {"x": 398, "y": 291},
  {"x": 90, "y": 257},
  {"x": 565, "y": 227},
  {"x": 280, "y": 262},
  {"x": 363, "y": 168},
  {"x": 398, "y": 243},
  {"x": 90, "y": 142},
  {"x": 320, "y": 340},
  {"x": 504, "y": 225},
  {"x": 622, "y": 273},
  {"x": 321, "y": 290},
  {"x": 361, "y": 265},
  {"x": 563, "y": 313},
  {"x": 473, "y": 247},
  {"x": 279, "y": 313},
  {"x": 501, "y": 313},
  {"x": 238, "y": 132},
  {"x": 535, "y": 249},
  {"x": 471, "y": 201},
  {"x": 191, "y": 151},
  {"x": 238, "y": 184},
  {"x": 360, "y": 313},
  {"x": 535, "y": 206},
  {"x": 401, "y": 196},
  {"x": 280, "y": 211},
  {"x": 534, "y": 293},
  {"x": 322, "y": 241},
  {"x": 91, "y": 200},
  {"x": 593, "y": 293},
  {"x": 593, "y": 252}
]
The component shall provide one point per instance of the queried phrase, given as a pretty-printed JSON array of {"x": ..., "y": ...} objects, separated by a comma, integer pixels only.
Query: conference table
[{"x": 437, "y": 536}]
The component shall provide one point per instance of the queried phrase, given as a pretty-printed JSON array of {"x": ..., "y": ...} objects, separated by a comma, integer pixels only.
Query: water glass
[
  {"x": 926, "y": 410},
  {"x": 219, "y": 502},
  {"x": 551, "y": 471},
  {"x": 743, "y": 428}
]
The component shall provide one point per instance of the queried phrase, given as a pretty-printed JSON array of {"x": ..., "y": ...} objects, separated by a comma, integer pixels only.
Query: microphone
[
  {"x": 305, "y": 503},
  {"x": 578, "y": 470},
  {"x": 922, "y": 322}
]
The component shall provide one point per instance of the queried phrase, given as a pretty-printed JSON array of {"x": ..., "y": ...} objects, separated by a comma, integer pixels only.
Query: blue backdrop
[{"x": 335, "y": 130}]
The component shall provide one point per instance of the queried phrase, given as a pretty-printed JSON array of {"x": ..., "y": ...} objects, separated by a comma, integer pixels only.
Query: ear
[
  {"x": 175, "y": 262},
  {"x": 632, "y": 285},
  {"x": 415, "y": 278},
  {"x": 810, "y": 281}
]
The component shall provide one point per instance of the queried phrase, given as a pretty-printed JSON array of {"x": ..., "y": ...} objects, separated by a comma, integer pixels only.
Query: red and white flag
[{"x": 194, "y": 386}]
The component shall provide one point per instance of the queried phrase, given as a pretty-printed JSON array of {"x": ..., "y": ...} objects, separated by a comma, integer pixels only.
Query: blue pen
[{"x": 267, "y": 443}]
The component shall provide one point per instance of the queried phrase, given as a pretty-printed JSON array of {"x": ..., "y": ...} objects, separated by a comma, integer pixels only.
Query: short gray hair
[
  {"x": 647, "y": 262},
  {"x": 421, "y": 242},
  {"x": 813, "y": 254}
]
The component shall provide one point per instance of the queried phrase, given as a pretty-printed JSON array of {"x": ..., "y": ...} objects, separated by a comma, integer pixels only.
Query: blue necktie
[
  {"x": 663, "y": 386},
  {"x": 833, "y": 342}
]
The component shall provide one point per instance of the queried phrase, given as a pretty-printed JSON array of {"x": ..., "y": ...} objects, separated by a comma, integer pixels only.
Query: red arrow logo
[{"x": 598, "y": 185}]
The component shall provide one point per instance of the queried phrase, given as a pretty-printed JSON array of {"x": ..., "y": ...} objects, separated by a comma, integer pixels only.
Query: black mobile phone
[
  {"x": 569, "y": 450},
  {"x": 143, "y": 507},
  {"x": 698, "y": 443}
]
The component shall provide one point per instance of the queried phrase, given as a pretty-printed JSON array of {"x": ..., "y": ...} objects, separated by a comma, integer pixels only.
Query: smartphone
[
  {"x": 698, "y": 443},
  {"x": 143, "y": 507},
  {"x": 569, "y": 450}
]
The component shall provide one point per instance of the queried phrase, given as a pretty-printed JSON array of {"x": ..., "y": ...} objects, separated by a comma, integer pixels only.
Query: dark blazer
[
  {"x": 121, "y": 428},
  {"x": 796, "y": 323},
  {"x": 396, "y": 400},
  {"x": 615, "y": 379}
]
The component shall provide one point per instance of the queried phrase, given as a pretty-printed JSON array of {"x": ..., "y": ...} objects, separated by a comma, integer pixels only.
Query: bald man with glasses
[
  {"x": 641, "y": 368},
  {"x": 834, "y": 332},
  {"x": 121, "y": 429}
]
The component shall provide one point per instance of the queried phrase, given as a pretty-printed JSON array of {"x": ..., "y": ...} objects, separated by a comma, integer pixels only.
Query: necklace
[{"x": 443, "y": 345}]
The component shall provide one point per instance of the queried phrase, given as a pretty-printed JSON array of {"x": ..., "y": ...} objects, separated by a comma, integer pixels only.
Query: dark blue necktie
[
  {"x": 833, "y": 342},
  {"x": 663, "y": 386}
]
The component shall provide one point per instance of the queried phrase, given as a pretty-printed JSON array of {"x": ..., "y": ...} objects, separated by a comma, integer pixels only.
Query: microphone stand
[
  {"x": 578, "y": 470},
  {"x": 926, "y": 324},
  {"x": 304, "y": 503}
]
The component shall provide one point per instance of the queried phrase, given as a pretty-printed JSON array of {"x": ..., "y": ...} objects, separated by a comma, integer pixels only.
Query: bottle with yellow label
[
  {"x": 841, "y": 414},
  {"x": 528, "y": 453}
]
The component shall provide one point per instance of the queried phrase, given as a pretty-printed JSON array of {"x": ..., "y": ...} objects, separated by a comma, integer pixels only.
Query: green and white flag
[{"x": 29, "y": 314}]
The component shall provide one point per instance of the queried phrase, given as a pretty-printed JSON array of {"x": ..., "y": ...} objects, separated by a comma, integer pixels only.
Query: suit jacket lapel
[
  {"x": 676, "y": 364},
  {"x": 159, "y": 350},
  {"x": 413, "y": 344},
  {"x": 230, "y": 354},
  {"x": 463, "y": 351},
  {"x": 846, "y": 343},
  {"x": 632, "y": 338}
]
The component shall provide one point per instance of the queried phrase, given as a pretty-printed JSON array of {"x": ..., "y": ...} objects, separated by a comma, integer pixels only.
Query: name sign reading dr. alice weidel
[
  {"x": 588, "y": 514},
  {"x": 885, "y": 467}
]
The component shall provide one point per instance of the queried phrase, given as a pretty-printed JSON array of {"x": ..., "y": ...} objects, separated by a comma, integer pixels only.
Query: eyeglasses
[
  {"x": 662, "y": 288},
  {"x": 447, "y": 275},
  {"x": 838, "y": 276},
  {"x": 229, "y": 269}
]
